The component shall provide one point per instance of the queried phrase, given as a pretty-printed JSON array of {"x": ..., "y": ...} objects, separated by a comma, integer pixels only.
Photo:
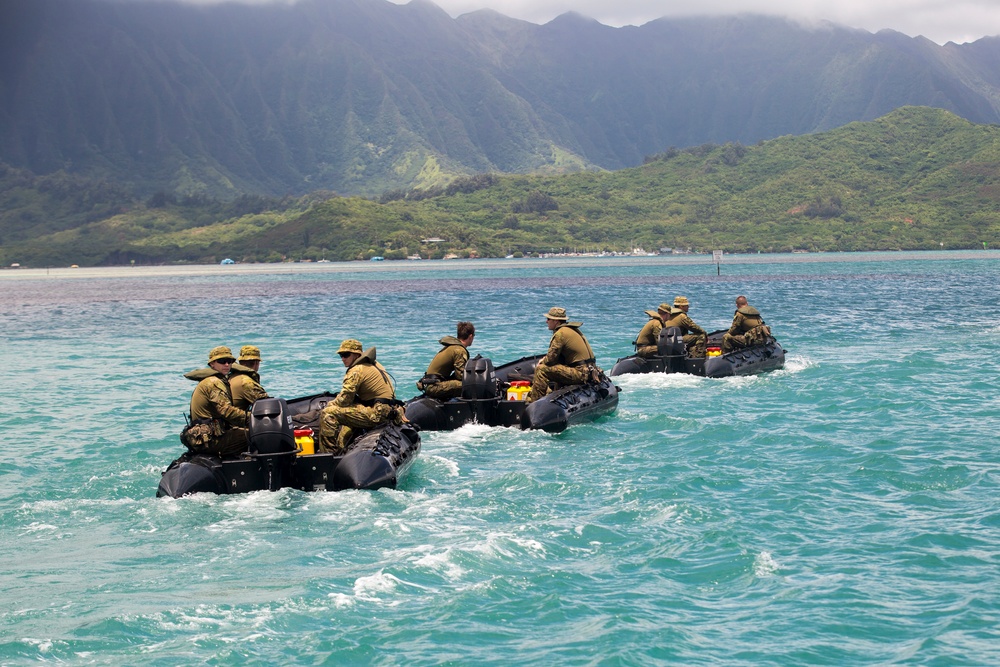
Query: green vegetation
[{"x": 916, "y": 178}]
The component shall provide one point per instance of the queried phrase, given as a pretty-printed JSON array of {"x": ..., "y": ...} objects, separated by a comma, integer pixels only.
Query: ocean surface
[{"x": 842, "y": 511}]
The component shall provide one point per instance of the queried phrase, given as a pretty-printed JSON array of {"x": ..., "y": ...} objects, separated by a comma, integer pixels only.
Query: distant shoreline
[{"x": 357, "y": 266}]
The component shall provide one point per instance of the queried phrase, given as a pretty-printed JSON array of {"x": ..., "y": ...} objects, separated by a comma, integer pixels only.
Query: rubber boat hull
[
  {"x": 673, "y": 359},
  {"x": 377, "y": 459},
  {"x": 484, "y": 401}
]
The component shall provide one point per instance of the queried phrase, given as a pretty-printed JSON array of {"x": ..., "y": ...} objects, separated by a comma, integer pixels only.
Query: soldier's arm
[
  {"x": 348, "y": 390},
  {"x": 555, "y": 347},
  {"x": 255, "y": 392},
  {"x": 735, "y": 328},
  {"x": 225, "y": 409},
  {"x": 654, "y": 331},
  {"x": 460, "y": 360}
]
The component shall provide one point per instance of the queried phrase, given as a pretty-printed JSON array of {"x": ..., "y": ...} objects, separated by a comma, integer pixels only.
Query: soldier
[
  {"x": 570, "y": 359},
  {"x": 244, "y": 378},
  {"x": 367, "y": 399},
  {"x": 695, "y": 338},
  {"x": 748, "y": 327},
  {"x": 443, "y": 379},
  {"x": 646, "y": 342},
  {"x": 216, "y": 426}
]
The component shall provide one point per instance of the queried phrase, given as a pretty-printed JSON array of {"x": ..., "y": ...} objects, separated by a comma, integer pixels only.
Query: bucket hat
[
  {"x": 220, "y": 352},
  {"x": 351, "y": 346},
  {"x": 249, "y": 353}
]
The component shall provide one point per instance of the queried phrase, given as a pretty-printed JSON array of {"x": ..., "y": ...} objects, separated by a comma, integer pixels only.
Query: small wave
[
  {"x": 43, "y": 645},
  {"x": 764, "y": 565},
  {"x": 450, "y": 465},
  {"x": 38, "y": 527},
  {"x": 373, "y": 588},
  {"x": 658, "y": 381},
  {"x": 443, "y": 562},
  {"x": 796, "y": 364}
]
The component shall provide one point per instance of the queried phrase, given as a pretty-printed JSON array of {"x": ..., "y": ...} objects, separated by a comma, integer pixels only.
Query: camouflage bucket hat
[
  {"x": 681, "y": 301},
  {"x": 556, "y": 313},
  {"x": 350, "y": 345},
  {"x": 665, "y": 307},
  {"x": 249, "y": 353},
  {"x": 220, "y": 352}
]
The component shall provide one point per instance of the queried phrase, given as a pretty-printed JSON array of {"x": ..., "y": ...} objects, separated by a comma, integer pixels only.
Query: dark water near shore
[{"x": 843, "y": 510}]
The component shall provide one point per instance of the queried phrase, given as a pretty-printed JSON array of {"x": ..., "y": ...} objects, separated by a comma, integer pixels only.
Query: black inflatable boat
[
  {"x": 378, "y": 458},
  {"x": 484, "y": 401},
  {"x": 672, "y": 358}
]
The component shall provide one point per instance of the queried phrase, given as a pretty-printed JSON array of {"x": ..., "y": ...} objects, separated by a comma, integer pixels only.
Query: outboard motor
[
  {"x": 670, "y": 345},
  {"x": 272, "y": 439},
  {"x": 479, "y": 388},
  {"x": 270, "y": 428},
  {"x": 479, "y": 382}
]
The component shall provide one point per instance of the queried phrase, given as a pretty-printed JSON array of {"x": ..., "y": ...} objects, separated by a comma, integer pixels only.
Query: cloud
[{"x": 938, "y": 20}]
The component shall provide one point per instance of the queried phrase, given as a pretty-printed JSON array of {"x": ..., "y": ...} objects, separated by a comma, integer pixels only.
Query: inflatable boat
[
  {"x": 487, "y": 399},
  {"x": 378, "y": 458},
  {"x": 673, "y": 358}
]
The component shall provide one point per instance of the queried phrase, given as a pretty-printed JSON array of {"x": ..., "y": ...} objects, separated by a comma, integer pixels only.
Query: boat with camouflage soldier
[
  {"x": 765, "y": 354},
  {"x": 281, "y": 454},
  {"x": 495, "y": 397}
]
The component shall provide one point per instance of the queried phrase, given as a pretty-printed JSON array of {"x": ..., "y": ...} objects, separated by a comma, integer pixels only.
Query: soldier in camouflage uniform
[
  {"x": 244, "y": 378},
  {"x": 216, "y": 426},
  {"x": 695, "y": 338},
  {"x": 748, "y": 327},
  {"x": 570, "y": 359},
  {"x": 443, "y": 379},
  {"x": 367, "y": 399},
  {"x": 646, "y": 342}
]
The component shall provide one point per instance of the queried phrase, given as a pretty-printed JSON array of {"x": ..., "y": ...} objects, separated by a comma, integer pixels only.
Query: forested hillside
[
  {"x": 365, "y": 96},
  {"x": 917, "y": 178}
]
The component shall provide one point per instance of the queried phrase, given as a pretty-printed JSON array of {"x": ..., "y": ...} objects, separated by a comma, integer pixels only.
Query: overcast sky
[{"x": 939, "y": 20}]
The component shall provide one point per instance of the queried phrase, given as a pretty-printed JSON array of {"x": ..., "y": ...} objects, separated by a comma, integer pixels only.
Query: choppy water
[{"x": 842, "y": 511}]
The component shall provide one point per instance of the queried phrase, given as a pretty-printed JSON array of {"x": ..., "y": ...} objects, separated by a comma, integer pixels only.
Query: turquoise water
[{"x": 842, "y": 511}]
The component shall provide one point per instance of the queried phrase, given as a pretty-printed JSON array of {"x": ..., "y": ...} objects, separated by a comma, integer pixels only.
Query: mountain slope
[
  {"x": 917, "y": 178},
  {"x": 361, "y": 96}
]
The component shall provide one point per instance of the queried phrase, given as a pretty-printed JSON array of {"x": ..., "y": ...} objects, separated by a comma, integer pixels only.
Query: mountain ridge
[{"x": 365, "y": 96}]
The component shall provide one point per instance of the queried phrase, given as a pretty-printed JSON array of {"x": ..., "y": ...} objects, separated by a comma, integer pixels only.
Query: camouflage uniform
[
  {"x": 570, "y": 359},
  {"x": 695, "y": 338},
  {"x": 217, "y": 426},
  {"x": 443, "y": 379},
  {"x": 244, "y": 383},
  {"x": 646, "y": 342},
  {"x": 748, "y": 329},
  {"x": 366, "y": 400}
]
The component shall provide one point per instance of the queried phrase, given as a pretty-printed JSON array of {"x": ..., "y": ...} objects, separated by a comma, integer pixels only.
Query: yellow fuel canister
[
  {"x": 713, "y": 352},
  {"x": 304, "y": 441},
  {"x": 518, "y": 390}
]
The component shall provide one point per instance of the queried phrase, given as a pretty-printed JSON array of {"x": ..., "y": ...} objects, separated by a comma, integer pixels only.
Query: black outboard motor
[
  {"x": 479, "y": 387},
  {"x": 270, "y": 428},
  {"x": 670, "y": 345},
  {"x": 272, "y": 438},
  {"x": 479, "y": 382}
]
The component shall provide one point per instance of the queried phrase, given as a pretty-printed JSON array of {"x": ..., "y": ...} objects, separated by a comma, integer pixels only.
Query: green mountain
[
  {"x": 917, "y": 178},
  {"x": 365, "y": 96}
]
